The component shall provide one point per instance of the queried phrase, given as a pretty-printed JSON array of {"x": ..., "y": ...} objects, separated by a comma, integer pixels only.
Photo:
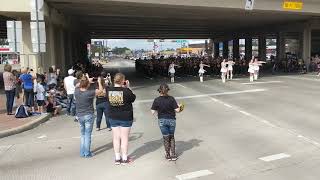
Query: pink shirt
[{"x": 9, "y": 81}]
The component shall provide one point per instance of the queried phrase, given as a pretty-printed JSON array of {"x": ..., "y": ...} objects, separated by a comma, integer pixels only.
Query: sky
[{"x": 136, "y": 44}]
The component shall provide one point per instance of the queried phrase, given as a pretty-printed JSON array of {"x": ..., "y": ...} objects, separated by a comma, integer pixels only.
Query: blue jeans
[
  {"x": 86, "y": 124},
  {"x": 167, "y": 126},
  {"x": 71, "y": 109},
  {"x": 10, "y": 99},
  {"x": 29, "y": 97},
  {"x": 102, "y": 108}
]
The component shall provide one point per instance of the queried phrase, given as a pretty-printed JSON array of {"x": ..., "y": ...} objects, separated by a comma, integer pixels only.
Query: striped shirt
[{"x": 9, "y": 81}]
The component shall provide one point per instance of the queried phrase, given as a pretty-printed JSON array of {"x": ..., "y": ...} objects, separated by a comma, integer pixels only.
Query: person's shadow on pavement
[
  {"x": 149, "y": 147},
  {"x": 106, "y": 147}
]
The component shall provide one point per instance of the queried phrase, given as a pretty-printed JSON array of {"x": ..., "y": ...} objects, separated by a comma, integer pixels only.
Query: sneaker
[
  {"x": 174, "y": 158},
  {"x": 75, "y": 120},
  {"x": 97, "y": 129},
  {"x": 125, "y": 162},
  {"x": 109, "y": 129},
  {"x": 117, "y": 162}
]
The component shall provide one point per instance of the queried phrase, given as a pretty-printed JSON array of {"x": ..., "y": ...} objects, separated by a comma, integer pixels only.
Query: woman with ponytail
[{"x": 166, "y": 107}]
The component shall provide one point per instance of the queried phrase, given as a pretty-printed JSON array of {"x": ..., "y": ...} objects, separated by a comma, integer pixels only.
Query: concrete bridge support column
[
  {"x": 262, "y": 47},
  {"x": 225, "y": 49},
  {"x": 235, "y": 49},
  {"x": 306, "y": 49},
  {"x": 216, "y": 49},
  {"x": 281, "y": 46},
  {"x": 248, "y": 48}
]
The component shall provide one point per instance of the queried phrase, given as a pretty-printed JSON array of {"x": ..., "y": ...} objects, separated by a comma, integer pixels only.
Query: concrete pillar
[
  {"x": 62, "y": 64},
  {"x": 281, "y": 46},
  {"x": 225, "y": 49},
  {"x": 235, "y": 49},
  {"x": 216, "y": 49},
  {"x": 262, "y": 47},
  {"x": 248, "y": 48},
  {"x": 306, "y": 49}
]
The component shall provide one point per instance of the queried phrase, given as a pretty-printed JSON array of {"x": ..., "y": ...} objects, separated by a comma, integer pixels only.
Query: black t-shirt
[
  {"x": 165, "y": 105},
  {"x": 120, "y": 100}
]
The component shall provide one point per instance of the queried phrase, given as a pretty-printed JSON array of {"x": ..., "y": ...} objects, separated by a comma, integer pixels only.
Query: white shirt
[
  {"x": 69, "y": 84},
  {"x": 40, "y": 92}
]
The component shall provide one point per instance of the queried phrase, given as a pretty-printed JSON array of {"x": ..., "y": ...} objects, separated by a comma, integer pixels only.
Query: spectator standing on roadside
[
  {"x": 27, "y": 80},
  {"x": 40, "y": 90},
  {"x": 121, "y": 116},
  {"x": 70, "y": 88},
  {"x": 52, "y": 78},
  {"x": 102, "y": 107},
  {"x": 10, "y": 87},
  {"x": 85, "y": 112},
  {"x": 166, "y": 107}
]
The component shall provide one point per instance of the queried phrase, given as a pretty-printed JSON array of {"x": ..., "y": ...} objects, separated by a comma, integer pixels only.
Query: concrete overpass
[{"x": 71, "y": 23}]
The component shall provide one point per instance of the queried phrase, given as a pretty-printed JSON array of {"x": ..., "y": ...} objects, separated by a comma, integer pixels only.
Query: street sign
[
  {"x": 292, "y": 5},
  {"x": 14, "y": 34},
  {"x": 181, "y": 41},
  {"x": 249, "y": 5}
]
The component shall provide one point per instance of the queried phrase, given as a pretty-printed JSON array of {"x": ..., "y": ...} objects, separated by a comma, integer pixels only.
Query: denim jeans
[
  {"x": 102, "y": 108},
  {"x": 10, "y": 99},
  {"x": 86, "y": 124},
  {"x": 167, "y": 126},
  {"x": 29, "y": 97},
  {"x": 71, "y": 109}
]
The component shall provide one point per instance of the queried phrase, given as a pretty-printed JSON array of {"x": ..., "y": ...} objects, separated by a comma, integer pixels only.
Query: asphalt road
[{"x": 268, "y": 130}]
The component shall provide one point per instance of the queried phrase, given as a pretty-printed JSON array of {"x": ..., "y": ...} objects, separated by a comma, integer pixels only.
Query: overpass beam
[
  {"x": 262, "y": 47},
  {"x": 235, "y": 49},
  {"x": 225, "y": 49},
  {"x": 248, "y": 48}
]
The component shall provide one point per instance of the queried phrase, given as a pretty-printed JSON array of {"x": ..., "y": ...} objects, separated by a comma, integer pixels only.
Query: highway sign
[{"x": 291, "y": 5}]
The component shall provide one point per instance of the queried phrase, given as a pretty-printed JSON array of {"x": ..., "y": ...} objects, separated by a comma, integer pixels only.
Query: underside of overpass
[
  {"x": 70, "y": 24},
  {"x": 119, "y": 19}
]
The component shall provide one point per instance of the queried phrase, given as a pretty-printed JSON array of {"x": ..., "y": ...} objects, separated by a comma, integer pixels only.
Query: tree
[{"x": 120, "y": 50}]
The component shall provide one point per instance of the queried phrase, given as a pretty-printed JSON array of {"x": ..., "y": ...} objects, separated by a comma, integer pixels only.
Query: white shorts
[
  {"x": 230, "y": 68},
  {"x": 172, "y": 71},
  {"x": 201, "y": 71},
  {"x": 256, "y": 68},
  {"x": 250, "y": 70},
  {"x": 223, "y": 70}
]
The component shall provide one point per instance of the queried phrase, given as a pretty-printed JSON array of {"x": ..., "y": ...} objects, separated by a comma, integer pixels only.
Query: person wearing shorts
[
  {"x": 166, "y": 107},
  {"x": 120, "y": 98}
]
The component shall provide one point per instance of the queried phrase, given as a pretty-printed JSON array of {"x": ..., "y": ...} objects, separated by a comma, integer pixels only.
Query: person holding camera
[
  {"x": 85, "y": 112},
  {"x": 121, "y": 98},
  {"x": 166, "y": 107}
]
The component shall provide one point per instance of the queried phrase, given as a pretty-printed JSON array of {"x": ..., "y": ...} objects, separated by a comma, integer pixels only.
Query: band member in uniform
[
  {"x": 201, "y": 70},
  {"x": 256, "y": 67},
  {"x": 230, "y": 69},
  {"x": 223, "y": 70},
  {"x": 172, "y": 71},
  {"x": 251, "y": 69},
  {"x": 165, "y": 108}
]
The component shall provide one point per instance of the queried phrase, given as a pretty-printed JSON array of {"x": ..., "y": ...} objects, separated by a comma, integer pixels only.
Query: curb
[{"x": 30, "y": 125}]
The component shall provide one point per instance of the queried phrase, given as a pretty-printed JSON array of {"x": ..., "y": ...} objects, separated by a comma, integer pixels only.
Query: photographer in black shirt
[{"x": 166, "y": 107}]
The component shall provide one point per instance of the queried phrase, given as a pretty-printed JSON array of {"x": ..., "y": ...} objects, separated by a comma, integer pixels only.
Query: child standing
[{"x": 40, "y": 94}]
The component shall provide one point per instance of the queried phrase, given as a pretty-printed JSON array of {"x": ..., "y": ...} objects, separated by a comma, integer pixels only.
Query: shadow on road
[
  {"x": 149, "y": 147},
  {"x": 106, "y": 147}
]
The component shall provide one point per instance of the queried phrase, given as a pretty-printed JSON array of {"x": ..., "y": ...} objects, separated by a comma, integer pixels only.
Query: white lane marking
[
  {"x": 195, "y": 174},
  {"x": 245, "y": 113},
  {"x": 229, "y": 106},
  {"x": 208, "y": 95},
  {"x": 266, "y": 82},
  {"x": 180, "y": 85},
  {"x": 275, "y": 157},
  {"x": 43, "y": 136}
]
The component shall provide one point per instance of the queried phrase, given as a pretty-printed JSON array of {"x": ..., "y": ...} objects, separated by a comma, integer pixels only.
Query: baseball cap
[{"x": 70, "y": 71}]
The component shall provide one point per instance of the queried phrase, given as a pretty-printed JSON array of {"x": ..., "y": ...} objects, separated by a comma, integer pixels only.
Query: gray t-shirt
[{"x": 84, "y": 101}]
